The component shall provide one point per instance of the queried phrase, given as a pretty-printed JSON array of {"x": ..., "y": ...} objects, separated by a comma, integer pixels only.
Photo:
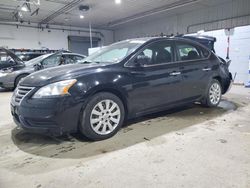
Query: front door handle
[
  {"x": 207, "y": 69},
  {"x": 175, "y": 73}
]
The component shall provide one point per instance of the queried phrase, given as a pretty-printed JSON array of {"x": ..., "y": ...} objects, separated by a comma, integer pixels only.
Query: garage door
[{"x": 81, "y": 44}]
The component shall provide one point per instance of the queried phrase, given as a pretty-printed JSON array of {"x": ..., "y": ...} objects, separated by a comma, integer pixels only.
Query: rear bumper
[{"x": 228, "y": 82}]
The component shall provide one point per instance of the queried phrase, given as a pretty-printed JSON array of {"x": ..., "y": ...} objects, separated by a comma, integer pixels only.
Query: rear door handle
[
  {"x": 175, "y": 73},
  {"x": 207, "y": 69}
]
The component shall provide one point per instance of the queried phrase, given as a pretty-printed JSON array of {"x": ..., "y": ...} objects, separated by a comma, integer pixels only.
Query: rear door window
[{"x": 188, "y": 52}]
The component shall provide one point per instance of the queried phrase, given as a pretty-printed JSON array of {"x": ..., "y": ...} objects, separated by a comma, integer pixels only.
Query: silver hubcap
[
  {"x": 215, "y": 93},
  {"x": 105, "y": 117}
]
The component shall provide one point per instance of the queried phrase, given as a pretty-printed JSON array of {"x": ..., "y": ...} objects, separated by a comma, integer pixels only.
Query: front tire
[
  {"x": 213, "y": 95},
  {"x": 102, "y": 117}
]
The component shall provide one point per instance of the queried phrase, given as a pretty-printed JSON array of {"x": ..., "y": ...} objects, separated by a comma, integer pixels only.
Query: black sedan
[{"x": 124, "y": 80}]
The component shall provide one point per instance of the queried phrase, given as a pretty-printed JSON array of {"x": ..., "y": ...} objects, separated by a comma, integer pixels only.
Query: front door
[{"x": 157, "y": 82}]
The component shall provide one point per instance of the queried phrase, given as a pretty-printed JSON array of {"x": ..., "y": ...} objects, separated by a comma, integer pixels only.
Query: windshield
[
  {"x": 36, "y": 60},
  {"x": 115, "y": 52}
]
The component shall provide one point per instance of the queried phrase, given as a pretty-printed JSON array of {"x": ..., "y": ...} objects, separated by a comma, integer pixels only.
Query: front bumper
[{"x": 55, "y": 116}]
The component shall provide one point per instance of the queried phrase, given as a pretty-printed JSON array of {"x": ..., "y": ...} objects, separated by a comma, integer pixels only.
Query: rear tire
[
  {"x": 102, "y": 117},
  {"x": 213, "y": 95}
]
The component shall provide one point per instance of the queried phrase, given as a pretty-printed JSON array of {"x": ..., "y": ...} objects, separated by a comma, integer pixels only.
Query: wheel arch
[
  {"x": 219, "y": 79},
  {"x": 20, "y": 75},
  {"x": 98, "y": 90},
  {"x": 115, "y": 92}
]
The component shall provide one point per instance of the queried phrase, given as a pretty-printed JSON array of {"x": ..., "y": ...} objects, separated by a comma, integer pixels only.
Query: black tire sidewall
[
  {"x": 85, "y": 126},
  {"x": 208, "y": 101}
]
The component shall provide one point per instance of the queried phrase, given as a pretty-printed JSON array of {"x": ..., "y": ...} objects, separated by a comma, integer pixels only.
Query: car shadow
[{"x": 135, "y": 131}]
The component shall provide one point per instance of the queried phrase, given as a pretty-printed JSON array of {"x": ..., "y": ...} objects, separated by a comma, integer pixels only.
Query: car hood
[
  {"x": 63, "y": 72},
  {"x": 18, "y": 62}
]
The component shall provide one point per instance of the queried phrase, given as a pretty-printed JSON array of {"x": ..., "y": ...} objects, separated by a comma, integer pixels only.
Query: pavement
[{"x": 190, "y": 146}]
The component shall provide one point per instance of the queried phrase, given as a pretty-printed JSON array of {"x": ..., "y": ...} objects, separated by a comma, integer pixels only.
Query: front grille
[{"x": 21, "y": 92}]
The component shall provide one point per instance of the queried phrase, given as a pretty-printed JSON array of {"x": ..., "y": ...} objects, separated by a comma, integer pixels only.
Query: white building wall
[
  {"x": 231, "y": 13},
  {"x": 33, "y": 38},
  {"x": 239, "y": 50}
]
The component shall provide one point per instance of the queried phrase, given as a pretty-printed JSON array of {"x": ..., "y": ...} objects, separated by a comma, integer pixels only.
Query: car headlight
[{"x": 56, "y": 89}]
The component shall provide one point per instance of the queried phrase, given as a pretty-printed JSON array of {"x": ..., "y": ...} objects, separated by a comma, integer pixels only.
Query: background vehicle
[
  {"x": 125, "y": 80},
  {"x": 9, "y": 78},
  {"x": 28, "y": 54},
  {"x": 9, "y": 60}
]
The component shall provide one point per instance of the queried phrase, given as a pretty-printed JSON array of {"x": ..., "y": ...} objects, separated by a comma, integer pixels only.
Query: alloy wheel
[
  {"x": 105, "y": 117},
  {"x": 215, "y": 93}
]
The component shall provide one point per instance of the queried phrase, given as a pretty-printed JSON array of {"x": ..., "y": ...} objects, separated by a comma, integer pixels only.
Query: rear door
[{"x": 196, "y": 69}]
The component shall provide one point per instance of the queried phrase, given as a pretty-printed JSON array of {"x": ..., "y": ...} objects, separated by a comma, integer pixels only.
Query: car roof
[
  {"x": 73, "y": 54},
  {"x": 148, "y": 40},
  {"x": 201, "y": 37},
  {"x": 29, "y": 53}
]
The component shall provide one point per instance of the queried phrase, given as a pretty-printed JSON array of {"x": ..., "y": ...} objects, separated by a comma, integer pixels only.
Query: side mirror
[
  {"x": 142, "y": 60},
  {"x": 13, "y": 62},
  {"x": 38, "y": 66}
]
